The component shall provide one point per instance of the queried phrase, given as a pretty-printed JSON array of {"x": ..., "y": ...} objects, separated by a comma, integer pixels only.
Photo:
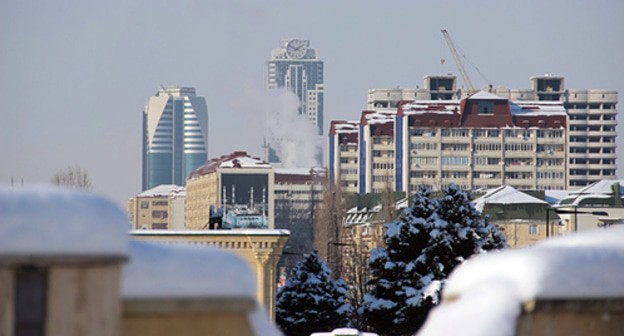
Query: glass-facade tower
[{"x": 175, "y": 136}]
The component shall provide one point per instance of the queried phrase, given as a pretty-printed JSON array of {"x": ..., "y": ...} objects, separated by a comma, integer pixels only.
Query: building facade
[
  {"x": 592, "y": 118},
  {"x": 175, "y": 136},
  {"x": 296, "y": 67},
  {"x": 483, "y": 141},
  {"x": 159, "y": 208},
  {"x": 343, "y": 153},
  {"x": 239, "y": 184}
]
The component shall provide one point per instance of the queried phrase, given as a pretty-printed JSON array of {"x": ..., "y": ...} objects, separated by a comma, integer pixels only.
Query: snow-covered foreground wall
[
  {"x": 48, "y": 221},
  {"x": 485, "y": 295}
]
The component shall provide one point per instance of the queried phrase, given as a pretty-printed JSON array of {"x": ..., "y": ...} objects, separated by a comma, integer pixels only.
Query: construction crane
[
  {"x": 463, "y": 72},
  {"x": 458, "y": 61}
]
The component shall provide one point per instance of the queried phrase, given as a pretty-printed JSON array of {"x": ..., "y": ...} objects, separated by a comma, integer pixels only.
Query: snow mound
[
  {"x": 490, "y": 289},
  {"x": 52, "y": 222},
  {"x": 158, "y": 271}
]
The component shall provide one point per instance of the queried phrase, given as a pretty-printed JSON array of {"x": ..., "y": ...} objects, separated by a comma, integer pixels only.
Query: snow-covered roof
[
  {"x": 379, "y": 117},
  {"x": 505, "y": 195},
  {"x": 244, "y": 162},
  {"x": 537, "y": 108},
  {"x": 50, "y": 223},
  {"x": 163, "y": 190},
  {"x": 159, "y": 271},
  {"x": 486, "y": 95},
  {"x": 518, "y": 108},
  {"x": 554, "y": 196},
  {"x": 347, "y": 127},
  {"x": 431, "y": 106},
  {"x": 489, "y": 290},
  {"x": 298, "y": 171},
  {"x": 601, "y": 189},
  {"x": 238, "y": 159}
]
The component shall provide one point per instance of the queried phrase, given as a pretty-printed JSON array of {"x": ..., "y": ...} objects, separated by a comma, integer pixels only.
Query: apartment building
[
  {"x": 592, "y": 117},
  {"x": 482, "y": 141},
  {"x": 343, "y": 153}
]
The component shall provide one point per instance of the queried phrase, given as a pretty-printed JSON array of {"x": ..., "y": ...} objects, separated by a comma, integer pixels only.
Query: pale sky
[{"x": 74, "y": 75}]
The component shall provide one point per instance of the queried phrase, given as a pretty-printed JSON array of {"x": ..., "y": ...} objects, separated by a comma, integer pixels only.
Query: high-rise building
[
  {"x": 592, "y": 118},
  {"x": 295, "y": 66},
  {"x": 175, "y": 136},
  {"x": 482, "y": 141}
]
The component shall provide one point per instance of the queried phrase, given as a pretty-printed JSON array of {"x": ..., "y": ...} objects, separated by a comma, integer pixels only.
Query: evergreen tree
[
  {"x": 422, "y": 248},
  {"x": 311, "y": 301}
]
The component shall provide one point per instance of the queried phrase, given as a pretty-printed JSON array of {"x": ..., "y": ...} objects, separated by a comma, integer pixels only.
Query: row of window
[
  {"x": 380, "y": 153},
  {"x": 550, "y": 175},
  {"x": 486, "y": 133},
  {"x": 591, "y": 106},
  {"x": 382, "y": 166},
  {"x": 424, "y": 146},
  {"x": 350, "y": 171},
  {"x": 455, "y": 147},
  {"x": 592, "y": 117},
  {"x": 382, "y": 178}
]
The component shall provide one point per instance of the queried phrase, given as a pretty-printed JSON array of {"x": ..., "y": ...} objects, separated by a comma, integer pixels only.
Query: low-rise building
[
  {"x": 597, "y": 205},
  {"x": 239, "y": 184},
  {"x": 159, "y": 208},
  {"x": 523, "y": 219}
]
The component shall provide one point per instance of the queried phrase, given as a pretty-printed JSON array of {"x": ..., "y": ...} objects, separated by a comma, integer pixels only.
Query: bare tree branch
[{"x": 74, "y": 177}]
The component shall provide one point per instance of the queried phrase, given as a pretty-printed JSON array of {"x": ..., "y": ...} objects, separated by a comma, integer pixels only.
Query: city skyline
[{"x": 62, "y": 64}]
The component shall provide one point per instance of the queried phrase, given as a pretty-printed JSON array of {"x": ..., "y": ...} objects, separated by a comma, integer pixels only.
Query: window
[
  {"x": 144, "y": 205},
  {"x": 491, "y": 147},
  {"x": 484, "y": 160},
  {"x": 423, "y": 146},
  {"x": 455, "y": 160},
  {"x": 160, "y": 203},
  {"x": 30, "y": 301},
  {"x": 159, "y": 214},
  {"x": 485, "y": 107},
  {"x": 159, "y": 226},
  {"x": 533, "y": 229}
]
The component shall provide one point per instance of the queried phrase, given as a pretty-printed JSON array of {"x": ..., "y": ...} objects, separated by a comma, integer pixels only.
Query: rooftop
[
  {"x": 163, "y": 190},
  {"x": 239, "y": 159}
]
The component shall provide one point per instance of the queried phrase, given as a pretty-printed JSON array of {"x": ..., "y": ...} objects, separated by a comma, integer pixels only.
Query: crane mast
[{"x": 458, "y": 61}]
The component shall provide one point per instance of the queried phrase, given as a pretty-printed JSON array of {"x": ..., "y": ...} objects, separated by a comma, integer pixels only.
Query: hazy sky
[{"x": 74, "y": 75}]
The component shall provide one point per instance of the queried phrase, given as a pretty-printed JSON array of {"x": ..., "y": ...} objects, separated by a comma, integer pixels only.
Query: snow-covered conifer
[
  {"x": 311, "y": 301},
  {"x": 422, "y": 247}
]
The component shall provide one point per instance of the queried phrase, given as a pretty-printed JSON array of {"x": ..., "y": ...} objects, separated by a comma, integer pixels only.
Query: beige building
[
  {"x": 260, "y": 248},
  {"x": 523, "y": 219},
  {"x": 597, "y": 205},
  {"x": 240, "y": 184},
  {"x": 159, "y": 208}
]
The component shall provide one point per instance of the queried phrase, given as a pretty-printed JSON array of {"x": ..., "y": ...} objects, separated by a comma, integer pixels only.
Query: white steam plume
[{"x": 293, "y": 136}]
